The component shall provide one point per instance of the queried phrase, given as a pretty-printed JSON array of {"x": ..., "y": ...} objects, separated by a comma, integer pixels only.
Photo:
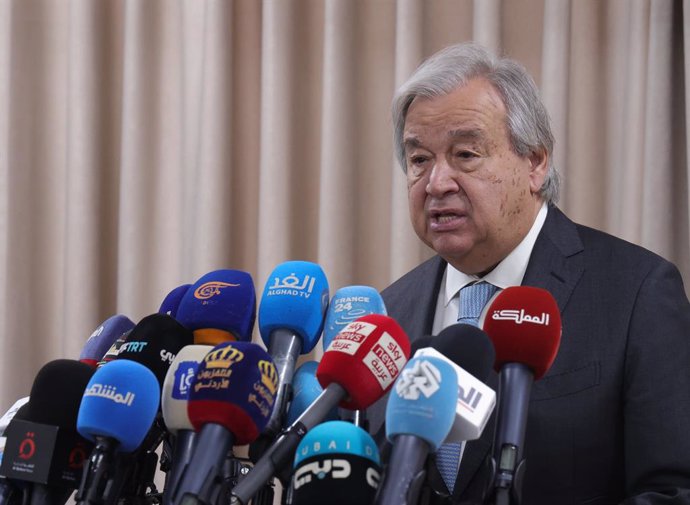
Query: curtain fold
[
  {"x": 555, "y": 78},
  {"x": 405, "y": 251},
  {"x": 486, "y": 23},
  {"x": 144, "y": 143},
  {"x": 337, "y": 197}
]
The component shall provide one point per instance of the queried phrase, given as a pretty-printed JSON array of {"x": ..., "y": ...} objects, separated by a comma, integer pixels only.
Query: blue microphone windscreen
[
  {"x": 423, "y": 401},
  {"x": 337, "y": 437},
  {"x": 121, "y": 402},
  {"x": 295, "y": 298},
  {"x": 350, "y": 303},
  {"x": 306, "y": 389},
  {"x": 223, "y": 300},
  {"x": 235, "y": 386},
  {"x": 172, "y": 300},
  {"x": 104, "y": 336}
]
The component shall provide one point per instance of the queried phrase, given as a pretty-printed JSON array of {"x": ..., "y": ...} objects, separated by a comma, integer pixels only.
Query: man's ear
[{"x": 539, "y": 166}]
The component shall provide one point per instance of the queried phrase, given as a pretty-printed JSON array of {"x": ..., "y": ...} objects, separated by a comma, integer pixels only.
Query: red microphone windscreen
[
  {"x": 524, "y": 324},
  {"x": 365, "y": 358}
]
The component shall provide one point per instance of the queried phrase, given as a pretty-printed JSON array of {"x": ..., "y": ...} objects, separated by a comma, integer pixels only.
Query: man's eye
[
  {"x": 465, "y": 155},
  {"x": 418, "y": 160}
]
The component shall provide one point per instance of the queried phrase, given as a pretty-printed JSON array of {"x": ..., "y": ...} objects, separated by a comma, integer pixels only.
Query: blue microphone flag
[
  {"x": 223, "y": 300},
  {"x": 348, "y": 304},
  {"x": 422, "y": 402},
  {"x": 120, "y": 401},
  {"x": 295, "y": 298}
]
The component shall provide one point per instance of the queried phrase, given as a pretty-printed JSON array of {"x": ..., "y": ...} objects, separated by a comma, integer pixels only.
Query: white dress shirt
[{"x": 508, "y": 272}]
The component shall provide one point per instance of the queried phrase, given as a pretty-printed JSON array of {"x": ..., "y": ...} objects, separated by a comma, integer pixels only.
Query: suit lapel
[
  {"x": 413, "y": 303},
  {"x": 556, "y": 266},
  {"x": 555, "y": 263}
]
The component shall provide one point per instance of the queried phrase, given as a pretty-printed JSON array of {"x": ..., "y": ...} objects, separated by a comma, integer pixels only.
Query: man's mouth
[
  {"x": 445, "y": 218},
  {"x": 441, "y": 220}
]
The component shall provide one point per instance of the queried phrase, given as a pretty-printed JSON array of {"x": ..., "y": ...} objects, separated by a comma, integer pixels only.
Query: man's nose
[{"x": 441, "y": 180}]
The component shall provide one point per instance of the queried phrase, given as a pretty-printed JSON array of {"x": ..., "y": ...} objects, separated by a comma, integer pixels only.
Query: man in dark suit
[{"x": 610, "y": 421}]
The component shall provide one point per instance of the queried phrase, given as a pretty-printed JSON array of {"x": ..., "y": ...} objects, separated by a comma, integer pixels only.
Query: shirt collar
[{"x": 509, "y": 272}]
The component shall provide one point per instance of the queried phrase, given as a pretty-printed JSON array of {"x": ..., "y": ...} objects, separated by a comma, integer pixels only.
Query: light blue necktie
[{"x": 473, "y": 297}]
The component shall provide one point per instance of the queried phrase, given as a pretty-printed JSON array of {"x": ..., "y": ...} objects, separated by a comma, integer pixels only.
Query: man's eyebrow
[
  {"x": 411, "y": 142},
  {"x": 459, "y": 134},
  {"x": 466, "y": 134}
]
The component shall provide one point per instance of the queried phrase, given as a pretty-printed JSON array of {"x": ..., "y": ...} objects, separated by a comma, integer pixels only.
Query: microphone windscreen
[
  {"x": 219, "y": 307},
  {"x": 235, "y": 387},
  {"x": 120, "y": 402},
  {"x": 23, "y": 413},
  {"x": 154, "y": 342},
  {"x": 22, "y": 403},
  {"x": 365, "y": 358},
  {"x": 114, "y": 350},
  {"x": 420, "y": 343},
  {"x": 337, "y": 460},
  {"x": 306, "y": 389},
  {"x": 172, "y": 300},
  {"x": 350, "y": 303},
  {"x": 176, "y": 386},
  {"x": 524, "y": 324},
  {"x": 57, "y": 391},
  {"x": 295, "y": 298},
  {"x": 468, "y": 347},
  {"x": 423, "y": 401},
  {"x": 104, "y": 337}
]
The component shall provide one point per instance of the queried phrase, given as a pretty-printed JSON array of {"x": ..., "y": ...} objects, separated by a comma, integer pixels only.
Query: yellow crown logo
[
  {"x": 269, "y": 375},
  {"x": 223, "y": 358},
  {"x": 210, "y": 289}
]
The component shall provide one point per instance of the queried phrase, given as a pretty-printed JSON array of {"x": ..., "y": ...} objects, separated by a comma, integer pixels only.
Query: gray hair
[{"x": 526, "y": 117}]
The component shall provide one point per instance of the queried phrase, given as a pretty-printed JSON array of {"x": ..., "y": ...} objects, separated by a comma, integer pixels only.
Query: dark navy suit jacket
[{"x": 610, "y": 421}]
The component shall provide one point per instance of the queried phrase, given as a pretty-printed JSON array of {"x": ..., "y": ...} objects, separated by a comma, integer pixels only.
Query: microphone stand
[{"x": 234, "y": 469}]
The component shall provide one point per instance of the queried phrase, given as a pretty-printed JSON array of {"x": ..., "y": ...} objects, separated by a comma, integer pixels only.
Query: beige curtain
[{"x": 146, "y": 142}]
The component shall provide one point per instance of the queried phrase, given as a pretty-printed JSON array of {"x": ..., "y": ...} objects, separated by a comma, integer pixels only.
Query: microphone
[
  {"x": 172, "y": 300},
  {"x": 306, "y": 390},
  {"x": 176, "y": 386},
  {"x": 357, "y": 369},
  {"x": 230, "y": 402},
  {"x": 12, "y": 491},
  {"x": 117, "y": 410},
  {"x": 11, "y": 413},
  {"x": 471, "y": 353},
  {"x": 291, "y": 317},
  {"x": 42, "y": 446},
  {"x": 348, "y": 304},
  {"x": 419, "y": 414},
  {"x": 421, "y": 343},
  {"x": 524, "y": 324},
  {"x": 103, "y": 338},
  {"x": 337, "y": 460},
  {"x": 154, "y": 342},
  {"x": 219, "y": 307}
]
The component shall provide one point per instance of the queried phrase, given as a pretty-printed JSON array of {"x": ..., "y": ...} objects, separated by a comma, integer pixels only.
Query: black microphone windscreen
[
  {"x": 420, "y": 343},
  {"x": 23, "y": 413},
  {"x": 341, "y": 479},
  {"x": 154, "y": 342},
  {"x": 57, "y": 392},
  {"x": 468, "y": 347}
]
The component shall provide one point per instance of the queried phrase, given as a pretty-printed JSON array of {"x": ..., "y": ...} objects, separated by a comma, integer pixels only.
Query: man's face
[{"x": 471, "y": 198}]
